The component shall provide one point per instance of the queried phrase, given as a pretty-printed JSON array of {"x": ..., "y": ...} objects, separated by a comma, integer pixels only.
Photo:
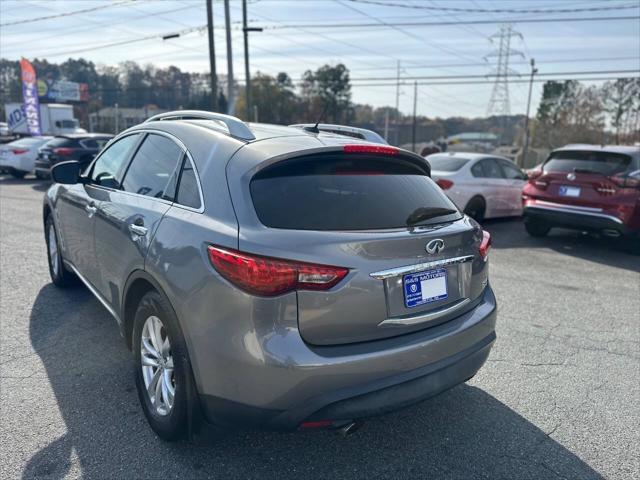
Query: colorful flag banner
[{"x": 30, "y": 96}]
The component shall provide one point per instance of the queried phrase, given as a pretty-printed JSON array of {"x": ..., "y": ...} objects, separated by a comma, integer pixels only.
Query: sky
[{"x": 302, "y": 35}]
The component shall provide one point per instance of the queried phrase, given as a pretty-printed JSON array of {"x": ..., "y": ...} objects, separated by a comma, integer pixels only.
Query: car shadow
[
  {"x": 463, "y": 433},
  {"x": 35, "y": 183},
  {"x": 615, "y": 252}
]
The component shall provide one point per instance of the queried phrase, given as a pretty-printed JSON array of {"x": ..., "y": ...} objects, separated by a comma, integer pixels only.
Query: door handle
[
  {"x": 90, "y": 209},
  {"x": 138, "y": 230}
]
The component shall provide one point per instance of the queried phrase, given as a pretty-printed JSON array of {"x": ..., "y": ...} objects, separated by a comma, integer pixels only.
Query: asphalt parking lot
[{"x": 558, "y": 398}]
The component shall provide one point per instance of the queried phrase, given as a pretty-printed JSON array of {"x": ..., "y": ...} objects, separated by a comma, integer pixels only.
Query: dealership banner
[
  {"x": 63, "y": 91},
  {"x": 30, "y": 97}
]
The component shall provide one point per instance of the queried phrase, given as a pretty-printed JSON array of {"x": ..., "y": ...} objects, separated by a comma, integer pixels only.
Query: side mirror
[{"x": 66, "y": 172}]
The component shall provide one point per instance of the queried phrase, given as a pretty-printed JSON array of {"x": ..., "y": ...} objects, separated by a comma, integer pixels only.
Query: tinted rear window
[
  {"x": 446, "y": 163},
  {"x": 60, "y": 142},
  {"x": 334, "y": 193},
  {"x": 598, "y": 162}
]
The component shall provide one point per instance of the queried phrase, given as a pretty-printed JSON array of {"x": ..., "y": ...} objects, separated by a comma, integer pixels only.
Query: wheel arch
[{"x": 138, "y": 284}]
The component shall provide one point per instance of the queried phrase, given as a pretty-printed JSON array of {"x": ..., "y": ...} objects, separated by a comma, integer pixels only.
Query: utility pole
[
  {"x": 527, "y": 134},
  {"x": 386, "y": 124},
  {"x": 212, "y": 57},
  {"x": 415, "y": 107},
  {"x": 230, "y": 96},
  {"x": 247, "y": 75},
  {"x": 397, "y": 133}
]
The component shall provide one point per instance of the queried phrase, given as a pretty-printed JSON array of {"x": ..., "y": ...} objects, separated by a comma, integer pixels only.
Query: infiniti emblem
[
  {"x": 571, "y": 176},
  {"x": 435, "y": 246}
]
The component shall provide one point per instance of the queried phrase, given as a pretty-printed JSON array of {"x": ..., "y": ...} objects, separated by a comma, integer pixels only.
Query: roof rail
[{"x": 237, "y": 128}]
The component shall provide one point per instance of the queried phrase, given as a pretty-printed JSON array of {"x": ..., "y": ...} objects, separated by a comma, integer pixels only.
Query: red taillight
[
  {"x": 379, "y": 149},
  {"x": 444, "y": 184},
  {"x": 541, "y": 184},
  {"x": 318, "y": 424},
  {"x": 18, "y": 151},
  {"x": 625, "y": 181},
  {"x": 63, "y": 151},
  {"x": 485, "y": 245},
  {"x": 269, "y": 276}
]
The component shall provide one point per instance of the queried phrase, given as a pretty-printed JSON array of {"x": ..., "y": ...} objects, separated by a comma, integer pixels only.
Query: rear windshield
[
  {"x": 337, "y": 193},
  {"x": 59, "y": 142},
  {"x": 446, "y": 163},
  {"x": 26, "y": 142},
  {"x": 603, "y": 163}
]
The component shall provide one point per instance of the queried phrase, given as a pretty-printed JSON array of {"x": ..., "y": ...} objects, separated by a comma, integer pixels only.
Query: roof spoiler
[
  {"x": 347, "y": 131},
  {"x": 237, "y": 128}
]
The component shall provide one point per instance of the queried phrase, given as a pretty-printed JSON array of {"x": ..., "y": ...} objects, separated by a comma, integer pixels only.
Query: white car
[
  {"x": 19, "y": 157},
  {"x": 481, "y": 185}
]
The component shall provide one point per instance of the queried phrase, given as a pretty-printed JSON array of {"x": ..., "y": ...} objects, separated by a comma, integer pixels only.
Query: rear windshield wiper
[{"x": 425, "y": 213}]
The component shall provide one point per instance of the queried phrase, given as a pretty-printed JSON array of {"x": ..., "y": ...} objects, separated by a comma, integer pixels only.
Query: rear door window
[
  {"x": 511, "y": 171},
  {"x": 154, "y": 167},
  {"x": 335, "y": 193},
  {"x": 603, "y": 163},
  {"x": 446, "y": 163},
  {"x": 188, "y": 190}
]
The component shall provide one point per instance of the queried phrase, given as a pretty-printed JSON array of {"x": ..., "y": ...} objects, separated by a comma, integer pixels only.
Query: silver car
[{"x": 277, "y": 277}]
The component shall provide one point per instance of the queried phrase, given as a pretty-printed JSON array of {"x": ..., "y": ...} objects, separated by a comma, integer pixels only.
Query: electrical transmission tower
[{"x": 499, "y": 102}]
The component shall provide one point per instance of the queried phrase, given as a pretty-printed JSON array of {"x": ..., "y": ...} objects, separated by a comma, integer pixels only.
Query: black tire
[
  {"x": 18, "y": 174},
  {"x": 476, "y": 209},
  {"x": 60, "y": 276},
  {"x": 175, "y": 424},
  {"x": 536, "y": 228}
]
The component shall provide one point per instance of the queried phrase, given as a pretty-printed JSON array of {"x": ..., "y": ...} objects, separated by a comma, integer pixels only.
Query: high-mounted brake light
[
  {"x": 485, "y": 245},
  {"x": 444, "y": 184},
  {"x": 379, "y": 149},
  {"x": 18, "y": 151},
  {"x": 63, "y": 151},
  {"x": 268, "y": 276}
]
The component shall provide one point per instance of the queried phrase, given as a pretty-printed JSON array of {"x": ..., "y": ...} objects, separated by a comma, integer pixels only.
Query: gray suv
[{"x": 270, "y": 276}]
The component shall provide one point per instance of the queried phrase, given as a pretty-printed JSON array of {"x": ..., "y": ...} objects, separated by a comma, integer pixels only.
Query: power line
[
  {"x": 64, "y": 14},
  {"x": 486, "y": 76},
  {"x": 475, "y": 64},
  {"x": 498, "y": 10},
  {"x": 461, "y": 22},
  {"x": 490, "y": 82}
]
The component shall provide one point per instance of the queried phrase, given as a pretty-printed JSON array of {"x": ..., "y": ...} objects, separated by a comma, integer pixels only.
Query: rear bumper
[
  {"x": 43, "y": 168},
  {"x": 566, "y": 216},
  {"x": 362, "y": 380}
]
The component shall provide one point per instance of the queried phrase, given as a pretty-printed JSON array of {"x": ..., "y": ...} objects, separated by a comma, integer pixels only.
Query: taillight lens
[
  {"x": 379, "y": 149},
  {"x": 444, "y": 184},
  {"x": 269, "y": 276},
  {"x": 625, "y": 181},
  {"x": 63, "y": 151},
  {"x": 485, "y": 245},
  {"x": 18, "y": 151}
]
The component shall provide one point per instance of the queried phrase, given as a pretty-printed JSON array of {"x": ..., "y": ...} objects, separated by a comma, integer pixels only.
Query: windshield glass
[
  {"x": 604, "y": 163},
  {"x": 446, "y": 163},
  {"x": 348, "y": 193}
]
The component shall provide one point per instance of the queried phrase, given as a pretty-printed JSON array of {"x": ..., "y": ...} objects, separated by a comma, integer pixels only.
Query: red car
[{"x": 585, "y": 187}]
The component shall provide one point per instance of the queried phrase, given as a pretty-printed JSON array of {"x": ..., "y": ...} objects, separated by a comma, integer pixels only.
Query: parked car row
[
  {"x": 584, "y": 187},
  {"x": 38, "y": 154}
]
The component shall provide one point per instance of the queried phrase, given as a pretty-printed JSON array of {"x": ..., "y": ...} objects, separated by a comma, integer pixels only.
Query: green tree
[
  {"x": 328, "y": 90},
  {"x": 619, "y": 98}
]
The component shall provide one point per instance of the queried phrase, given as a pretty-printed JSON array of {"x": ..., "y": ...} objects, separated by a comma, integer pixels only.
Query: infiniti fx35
[{"x": 274, "y": 277}]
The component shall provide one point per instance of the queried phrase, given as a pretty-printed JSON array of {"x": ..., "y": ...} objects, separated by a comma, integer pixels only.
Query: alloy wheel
[
  {"x": 157, "y": 366},
  {"x": 53, "y": 249}
]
